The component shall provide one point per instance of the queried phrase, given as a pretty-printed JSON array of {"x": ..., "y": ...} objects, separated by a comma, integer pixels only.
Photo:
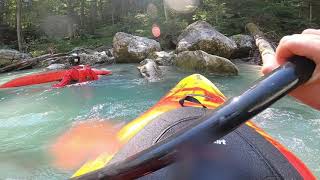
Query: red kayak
[{"x": 63, "y": 75}]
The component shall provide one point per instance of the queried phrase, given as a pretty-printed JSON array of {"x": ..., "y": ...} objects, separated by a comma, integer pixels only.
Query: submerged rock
[
  {"x": 56, "y": 66},
  {"x": 163, "y": 58},
  {"x": 150, "y": 70},
  {"x": 203, "y": 62},
  {"x": 245, "y": 44},
  {"x": 133, "y": 49},
  {"x": 202, "y": 36}
]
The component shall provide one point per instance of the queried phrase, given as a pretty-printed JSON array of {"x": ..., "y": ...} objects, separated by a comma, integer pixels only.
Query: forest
[{"x": 42, "y": 26}]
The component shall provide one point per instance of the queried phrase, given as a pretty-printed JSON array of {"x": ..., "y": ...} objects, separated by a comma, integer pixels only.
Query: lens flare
[
  {"x": 152, "y": 10},
  {"x": 156, "y": 31},
  {"x": 83, "y": 142},
  {"x": 182, "y": 6}
]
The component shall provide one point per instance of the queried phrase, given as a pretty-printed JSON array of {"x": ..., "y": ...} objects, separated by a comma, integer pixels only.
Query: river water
[{"x": 32, "y": 117}]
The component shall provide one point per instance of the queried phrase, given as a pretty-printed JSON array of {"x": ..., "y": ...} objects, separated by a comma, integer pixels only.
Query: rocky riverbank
[{"x": 200, "y": 48}]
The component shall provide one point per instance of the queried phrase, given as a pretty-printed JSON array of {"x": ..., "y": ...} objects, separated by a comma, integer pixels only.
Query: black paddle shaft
[{"x": 213, "y": 126}]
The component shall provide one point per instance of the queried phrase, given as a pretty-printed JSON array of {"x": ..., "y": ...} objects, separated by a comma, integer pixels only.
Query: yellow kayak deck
[{"x": 207, "y": 93}]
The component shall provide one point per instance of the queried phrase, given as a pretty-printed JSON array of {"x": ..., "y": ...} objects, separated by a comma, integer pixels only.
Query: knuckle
[
  {"x": 307, "y": 31},
  {"x": 285, "y": 39},
  {"x": 311, "y": 31}
]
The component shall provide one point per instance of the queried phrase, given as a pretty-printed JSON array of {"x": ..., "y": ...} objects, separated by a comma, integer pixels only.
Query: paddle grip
[
  {"x": 304, "y": 68},
  {"x": 215, "y": 125}
]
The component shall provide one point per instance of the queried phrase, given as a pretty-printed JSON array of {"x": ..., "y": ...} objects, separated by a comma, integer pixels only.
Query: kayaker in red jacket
[
  {"x": 306, "y": 44},
  {"x": 79, "y": 74}
]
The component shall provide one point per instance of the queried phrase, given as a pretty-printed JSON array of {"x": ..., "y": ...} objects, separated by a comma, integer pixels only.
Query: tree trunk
[
  {"x": 310, "y": 12},
  {"x": 73, "y": 17},
  {"x": 112, "y": 16},
  {"x": 112, "y": 11},
  {"x": 1, "y": 11},
  {"x": 82, "y": 15},
  {"x": 265, "y": 48},
  {"x": 101, "y": 11},
  {"x": 165, "y": 10},
  {"x": 93, "y": 16},
  {"x": 18, "y": 18},
  {"x": 29, "y": 63},
  {"x": 70, "y": 8},
  {"x": 123, "y": 7}
]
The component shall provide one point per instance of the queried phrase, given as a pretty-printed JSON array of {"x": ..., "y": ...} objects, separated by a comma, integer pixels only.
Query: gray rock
[
  {"x": 202, "y": 36},
  {"x": 163, "y": 58},
  {"x": 13, "y": 54},
  {"x": 56, "y": 66},
  {"x": 203, "y": 62},
  {"x": 9, "y": 56},
  {"x": 245, "y": 44},
  {"x": 150, "y": 70},
  {"x": 133, "y": 49},
  {"x": 96, "y": 58},
  {"x": 103, "y": 48},
  {"x": 81, "y": 50}
]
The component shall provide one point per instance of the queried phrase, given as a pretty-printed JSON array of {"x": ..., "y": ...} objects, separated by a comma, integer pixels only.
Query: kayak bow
[{"x": 215, "y": 125}]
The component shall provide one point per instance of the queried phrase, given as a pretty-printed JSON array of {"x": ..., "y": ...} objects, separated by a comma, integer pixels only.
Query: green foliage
[
  {"x": 94, "y": 22},
  {"x": 44, "y": 46},
  {"x": 171, "y": 29},
  {"x": 276, "y": 17},
  {"x": 211, "y": 11},
  {"x": 137, "y": 24}
]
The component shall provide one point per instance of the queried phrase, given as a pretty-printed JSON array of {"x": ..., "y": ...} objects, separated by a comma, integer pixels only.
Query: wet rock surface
[
  {"x": 202, "y": 36},
  {"x": 133, "y": 49},
  {"x": 150, "y": 70},
  {"x": 245, "y": 45},
  {"x": 163, "y": 58},
  {"x": 9, "y": 56},
  {"x": 203, "y": 62}
]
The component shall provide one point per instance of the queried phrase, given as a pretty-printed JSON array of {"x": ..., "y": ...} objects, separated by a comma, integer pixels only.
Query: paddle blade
[{"x": 83, "y": 142}]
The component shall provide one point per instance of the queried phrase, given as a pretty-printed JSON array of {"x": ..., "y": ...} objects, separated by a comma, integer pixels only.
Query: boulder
[
  {"x": 103, "y": 48},
  {"x": 107, "y": 49},
  {"x": 163, "y": 58},
  {"x": 133, "y": 49},
  {"x": 245, "y": 44},
  {"x": 8, "y": 56},
  {"x": 13, "y": 54},
  {"x": 150, "y": 70},
  {"x": 96, "y": 58},
  {"x": 202, "y": 36},
  {"x": 80, "y": 50},
  {"x": 56, "y": 66},
  {"x": 203, "y": 62}
]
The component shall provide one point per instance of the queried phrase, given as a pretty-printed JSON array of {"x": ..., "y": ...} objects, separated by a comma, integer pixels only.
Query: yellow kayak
[{"x": 209, "y": 96}]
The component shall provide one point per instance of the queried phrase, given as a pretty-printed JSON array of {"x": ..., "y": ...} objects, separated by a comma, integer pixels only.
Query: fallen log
[
  {"x": 29, "y": 63},
  {"x": 265, "y": 48},
  {"x": 17, "y": 66}
]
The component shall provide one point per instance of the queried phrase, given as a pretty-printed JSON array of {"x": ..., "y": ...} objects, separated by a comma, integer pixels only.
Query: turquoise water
[{"x": 32, "y": 117}]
